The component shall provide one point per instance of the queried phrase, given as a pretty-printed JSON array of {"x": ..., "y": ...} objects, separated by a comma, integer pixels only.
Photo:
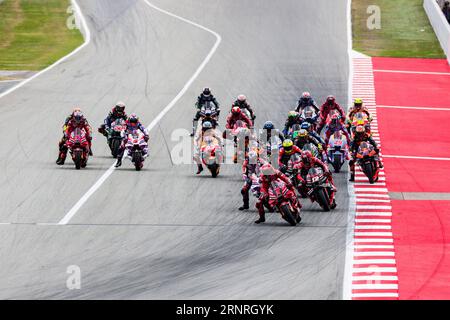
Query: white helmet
[
  {"x": 242, "y": 98},
  {"x": 306, "y": 95}
]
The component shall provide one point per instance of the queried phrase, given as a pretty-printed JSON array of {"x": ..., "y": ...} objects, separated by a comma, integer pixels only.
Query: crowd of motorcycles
[
  {"x": 261, "y": 152},
  {"x": 278, "y": 167}
]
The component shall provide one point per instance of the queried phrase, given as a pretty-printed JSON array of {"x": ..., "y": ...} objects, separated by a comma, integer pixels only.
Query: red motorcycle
[
  {"x": 212, "y": 155},
  {"x": 79, "y": 148},
  {"x": 278, "y": 199},
  {"x": 239, "y": 131},
  {"x": 319, "y": 189}
]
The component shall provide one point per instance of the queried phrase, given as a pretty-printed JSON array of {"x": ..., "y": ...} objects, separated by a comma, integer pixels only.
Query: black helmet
[
  {"x": 207, "y": 92},
  {"x": 119, "y": 108}
]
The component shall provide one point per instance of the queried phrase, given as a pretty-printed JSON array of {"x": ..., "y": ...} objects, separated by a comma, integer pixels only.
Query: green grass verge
[
  {"x": 405, "y": 30},
  {"x": 34, "y": 33}
]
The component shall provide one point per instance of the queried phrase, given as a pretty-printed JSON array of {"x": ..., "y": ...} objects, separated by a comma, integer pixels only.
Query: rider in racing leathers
[
  {"x": 360, "y": 136},
  {"x": 336, "y": 125},
  {"x": 118, "y": 112},
  {"x": 325, "y": 110},
  {"x": 293, "y": 118},
  {"x": 203, "y": 98},
  {"x": 133, "y": 124},
  {"x": 268, "y": 175},
  {"x": 250, "y": 172},
  {"x": 242, "y": 103},
  {"x": 286, "y": 152},
  {"x": 306, "y": 101},
  {"x": 308, "y": 162},
  {"x": 207, "y": 130}
]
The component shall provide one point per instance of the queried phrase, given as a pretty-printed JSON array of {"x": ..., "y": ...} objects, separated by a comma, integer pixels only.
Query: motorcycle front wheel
[{"x": 287, "y": 215}]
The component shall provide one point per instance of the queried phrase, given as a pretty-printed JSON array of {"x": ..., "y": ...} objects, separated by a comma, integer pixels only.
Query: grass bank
[
  {"x": 405, "y": 30},
  {"x": 34, "y": 33}
]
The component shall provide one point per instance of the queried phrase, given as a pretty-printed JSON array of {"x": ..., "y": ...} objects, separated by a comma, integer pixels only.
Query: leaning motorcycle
[
  {"x": 136, "y": 149},
  {"x": 115, "y": 135},
  {"x": 212, "y": 155},
  {"x": 319, "y": 189},
  {"x": 278, "y": 199},
  {"x": 367, "y": 159}
]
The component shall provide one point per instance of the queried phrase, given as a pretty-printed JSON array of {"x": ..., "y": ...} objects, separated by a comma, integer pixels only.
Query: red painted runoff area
[{"x": 421, "y": 229}]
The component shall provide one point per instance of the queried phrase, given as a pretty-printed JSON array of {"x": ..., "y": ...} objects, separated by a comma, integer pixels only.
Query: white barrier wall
[{"x": 440, "y": 25}]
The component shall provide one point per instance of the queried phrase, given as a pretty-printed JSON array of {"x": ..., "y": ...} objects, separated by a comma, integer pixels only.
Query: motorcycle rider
[
  {"x": 308, "y": 162},
  {"x": 336, "y": 125},
  {"x": 117, "y": 112},
  {"x": 358, "y": 106},
  {"x": 202, "y": 99},
  {"x": 235, "y": 115},
  {"x": 360, "y": 136},
  {"x": 286, "y": 152},
  {"x": 302, "y": 137},
  {"x": 306, "y": 101},
  {"x": 268, "y": 175},
  {"x": 132, "y": 124},
  {"x": 268, "y": 129},
  {"x": 308, "y": 127},
  {"x": 207, "y": 130},
  {"x": 242, "y": 103},
  {"x": 250, "y": 167},
  {"x": 76, "y": 120},
  {"x": 293, "y": 118},
  {"x": 329, "y": 105}
]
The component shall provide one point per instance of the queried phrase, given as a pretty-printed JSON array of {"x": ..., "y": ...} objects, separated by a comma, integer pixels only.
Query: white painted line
[
  {"x": 375, "y": 278},
  {"x": 370, "y": 200},
  {"x": 373, "y": 240},
  {"x": 370, "y": 195},
  {"x": 383, "y": 214},
  {"x": 417, "y": 158},
  {"x": 69, "y": 215},
  {"x": 413, "y": 72},
  {"x": 374, "y": 189},
  {"x": 374, "y": 253},
  {"x": 374, "y": 269},
  {"x": 374, "y": 246},
  {"x": 375, "y": 295},
  {"x": 375, "y": 207},
  {"x": 348, "y": 267},
  {"x": 415, "y": 108},
  {"x": 372, "y": 227},
  {"x": 372, "y": 234},
  {"x": 373, "y": 261},
  {"x": 87, "y": 40},
  {"x": 373, "y": 220}
]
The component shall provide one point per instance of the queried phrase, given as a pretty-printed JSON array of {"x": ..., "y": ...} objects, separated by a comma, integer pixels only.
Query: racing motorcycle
[
  {"x": 337, "y": 150},
  {"x": 78, "y": 148},
  {"x": 136, "y": 149},
  {"x": 319, "y": 189},
  {"x": 212, "y": 155},
  {"x": 360, "y": 119},
  {"x": 292, "y": 169},
  {"x": 278, "y": 200},
  {"x": 239, "y": 131},
  {"x": 367, "y": 159},
  {"x": 115, "y": 136},
  {"x": 207, "y": 110}
]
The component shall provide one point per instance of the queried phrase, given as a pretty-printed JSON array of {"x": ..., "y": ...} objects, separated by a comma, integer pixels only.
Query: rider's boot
[{"x": 199, "y": 168}]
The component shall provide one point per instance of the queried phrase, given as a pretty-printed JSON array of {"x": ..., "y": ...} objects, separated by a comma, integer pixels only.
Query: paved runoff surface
[{"x": 165, "y": 232}]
